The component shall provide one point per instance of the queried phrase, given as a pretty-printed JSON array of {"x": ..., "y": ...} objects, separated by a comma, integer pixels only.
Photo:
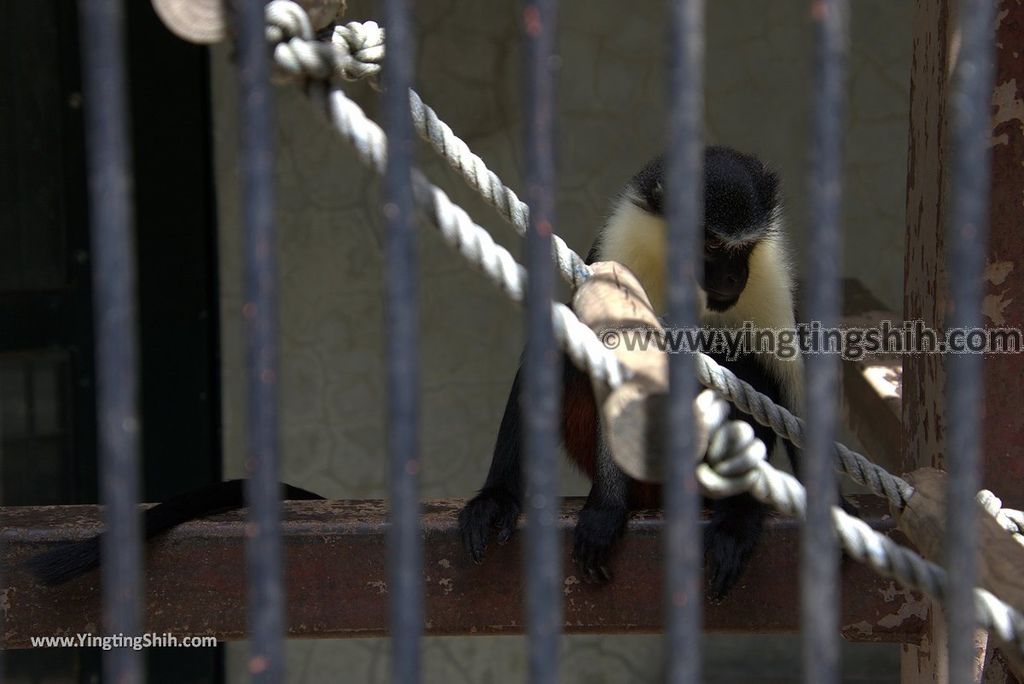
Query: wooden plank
[
  {"x": 924, "y": 523},
  {"x": 612, "y": 302},
  {"x": 1001, "y": 556},
  {"x": 336, "y": 579},
  {"x": 206, "y": 21}
]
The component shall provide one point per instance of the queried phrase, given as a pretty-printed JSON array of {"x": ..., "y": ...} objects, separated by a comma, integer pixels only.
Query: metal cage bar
[
  {"x": 683, "y": 547},
  {"x": 967, "y": 233},
  {"x": 541, "y": 398},
  {"x": 111, "y": 217},
  {"x": 262, "y": 493},
  {"x": 819, "y": 550},
  {"x": 405, "y": 546}
]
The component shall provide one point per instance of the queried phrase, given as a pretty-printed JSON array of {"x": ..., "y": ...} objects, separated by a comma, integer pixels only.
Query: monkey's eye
[{"x": 713, "y": 246}]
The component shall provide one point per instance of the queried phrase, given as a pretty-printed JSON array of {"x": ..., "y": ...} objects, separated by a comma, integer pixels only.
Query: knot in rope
[
  {"x": 737, "y": 463},
  {"x": 290, "y": 33},
  {"x": 286, "y": 20},
  {"x": 360, "y": 47},
  {"x": 766, "y": 412},
  {"x": 733, "y": 459},
  {"x": 734, "y": 453},
  {"x": 354, "y": 52}
]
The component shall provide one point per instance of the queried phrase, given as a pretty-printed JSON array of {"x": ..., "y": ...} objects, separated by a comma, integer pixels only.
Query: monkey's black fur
[
  {"x": 739, "y": 190},
  {"x": 65, "y": 562},
  {"x": 741, "y": 205}
]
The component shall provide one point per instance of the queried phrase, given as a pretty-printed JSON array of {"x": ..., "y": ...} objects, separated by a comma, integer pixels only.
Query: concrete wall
[{"x": 611, "y": 121}]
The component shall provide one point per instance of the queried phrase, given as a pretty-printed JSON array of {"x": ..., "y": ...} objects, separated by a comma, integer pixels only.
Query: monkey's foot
[
  {"x": 597, "y": 530},
  {"x": 491, "y": 508},
  {"x": 729, "y": 541}
]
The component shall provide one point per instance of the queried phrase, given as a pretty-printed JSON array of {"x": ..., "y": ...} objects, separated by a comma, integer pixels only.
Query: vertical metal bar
[
  {"x": 967, "y": 236},
  {"x": 542, "y": 396},
  {"x": 108, "y": 143},
  {"x": 683, "y": 546},
  {"x": 819, "y": 557},
  {"x": 405, "y": 547},
  {"x": 256, "y": 158}
]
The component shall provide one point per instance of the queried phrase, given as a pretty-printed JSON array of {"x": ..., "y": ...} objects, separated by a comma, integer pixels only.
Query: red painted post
[
  {"x": 1003, "y": 454},
  {"x": 925, "y": 293}
]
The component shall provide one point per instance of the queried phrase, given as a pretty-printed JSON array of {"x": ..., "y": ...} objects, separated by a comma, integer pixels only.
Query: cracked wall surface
[{"x": 611, "y": 119}]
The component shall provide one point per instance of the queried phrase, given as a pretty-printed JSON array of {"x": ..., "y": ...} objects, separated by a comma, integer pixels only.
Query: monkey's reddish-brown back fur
[{"x": 579, "y": 425}]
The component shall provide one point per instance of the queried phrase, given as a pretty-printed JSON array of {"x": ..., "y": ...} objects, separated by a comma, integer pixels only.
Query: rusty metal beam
[{"x": 336, "y": 579}]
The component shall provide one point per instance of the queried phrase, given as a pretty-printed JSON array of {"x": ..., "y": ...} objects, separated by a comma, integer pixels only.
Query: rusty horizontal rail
[{"x": 336, "y": 579}]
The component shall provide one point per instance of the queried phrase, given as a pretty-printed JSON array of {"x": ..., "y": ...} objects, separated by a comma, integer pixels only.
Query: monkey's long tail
[{"x": 67, "y": 561}]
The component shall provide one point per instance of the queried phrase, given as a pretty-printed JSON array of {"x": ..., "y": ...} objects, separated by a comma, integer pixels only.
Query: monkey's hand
[
  {"x": 597, "y": 530},
  {"x": 491, "y": 508},
  {"x": 729, "y": 540}
]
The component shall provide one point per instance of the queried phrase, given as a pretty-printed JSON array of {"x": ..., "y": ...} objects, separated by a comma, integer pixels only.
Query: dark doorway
[{"x": 47, "y": 408}]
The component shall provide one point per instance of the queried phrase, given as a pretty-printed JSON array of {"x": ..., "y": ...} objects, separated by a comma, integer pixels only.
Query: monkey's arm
[
  {"x": 499, "y": 502},
  {"x": 603, "y": 517}
]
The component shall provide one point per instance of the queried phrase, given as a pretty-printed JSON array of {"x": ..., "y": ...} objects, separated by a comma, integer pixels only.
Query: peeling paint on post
[
  {"x": 1003, "y": 463},
  {"x": 925, "y": 285}
]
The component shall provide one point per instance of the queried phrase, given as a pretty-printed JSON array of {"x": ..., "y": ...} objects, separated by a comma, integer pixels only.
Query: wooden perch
[
  {"x": 1000, "y": 559},
  {"x": 206, "y": 21},
  {"x": 610, "y": 301}
]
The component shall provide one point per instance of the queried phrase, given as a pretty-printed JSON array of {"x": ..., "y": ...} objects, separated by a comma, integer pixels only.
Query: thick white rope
[
  {"x": 766, "y": 412},
  {"x": 472, "y": 241},
  {"x": 358, "y": 50},
  {"x": 457, "y": 228},
  {"x": 488, "y": 185},
  {"x": 736, "y": 463},
  {"x": 1009, "y": 519},
  {"x": 361, "y": 47}
]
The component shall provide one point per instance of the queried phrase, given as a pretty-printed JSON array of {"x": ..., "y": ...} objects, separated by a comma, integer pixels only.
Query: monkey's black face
[
  {"x": 725, "y": 273},
  {"x": 740, "y": 205}
]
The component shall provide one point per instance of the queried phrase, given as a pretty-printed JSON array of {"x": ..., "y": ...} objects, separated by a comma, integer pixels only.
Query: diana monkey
[{"x": 747, "y": 277}]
